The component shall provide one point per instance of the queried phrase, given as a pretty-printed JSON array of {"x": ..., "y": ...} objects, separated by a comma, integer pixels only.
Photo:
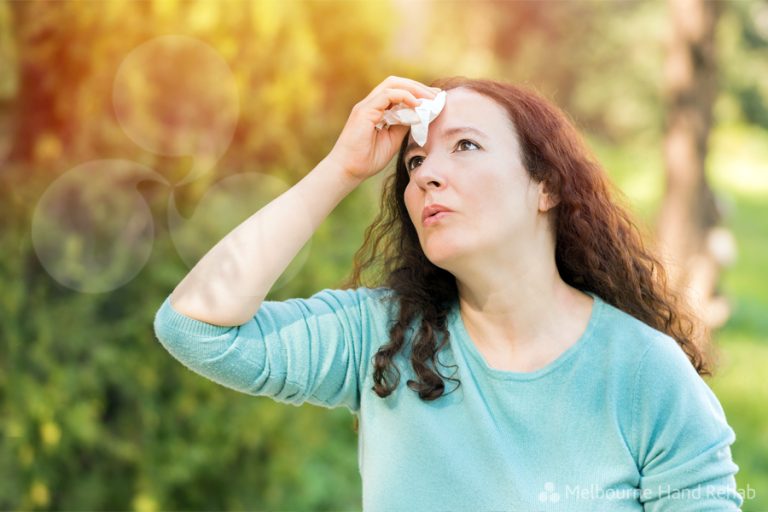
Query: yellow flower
[
  {"x": 50, "y": 433},
  {"x": 39, "y": 495}
]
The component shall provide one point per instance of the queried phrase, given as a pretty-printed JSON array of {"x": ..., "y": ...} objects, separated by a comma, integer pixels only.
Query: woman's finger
[
  {"x": 389, "y": 97},
  {"x": 396, "y": 82}
]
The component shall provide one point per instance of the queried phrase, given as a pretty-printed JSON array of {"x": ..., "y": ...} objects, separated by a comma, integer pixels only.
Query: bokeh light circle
[
  {"x": 176, "y": 96},
  {"x": 91, "y": 229}
]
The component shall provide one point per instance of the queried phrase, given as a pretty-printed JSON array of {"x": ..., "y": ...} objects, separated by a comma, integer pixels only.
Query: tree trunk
[{"x": 694, "y": 248}]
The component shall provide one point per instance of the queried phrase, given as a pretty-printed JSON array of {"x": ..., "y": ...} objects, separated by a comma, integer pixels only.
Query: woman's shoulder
[{"x": 635, "y": 342}]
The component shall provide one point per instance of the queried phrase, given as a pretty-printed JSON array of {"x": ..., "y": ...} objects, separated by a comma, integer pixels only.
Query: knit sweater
[{"x": 619, "y": 421}]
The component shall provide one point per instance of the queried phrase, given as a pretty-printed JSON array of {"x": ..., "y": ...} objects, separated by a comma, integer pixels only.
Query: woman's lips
[{"x": 433, "y": 219}]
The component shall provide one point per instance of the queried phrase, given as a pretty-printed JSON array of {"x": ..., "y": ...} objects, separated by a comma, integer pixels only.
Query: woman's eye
[
  {"x": 467, "y": 141},
  {"x": 408, "y": 166},
  {"x": 458, "y": 145}
]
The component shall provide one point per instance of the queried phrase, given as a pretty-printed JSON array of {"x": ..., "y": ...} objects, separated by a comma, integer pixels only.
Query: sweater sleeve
[
  {"x": 681, "y": 436},
  {"x": 300, "y": 350}
]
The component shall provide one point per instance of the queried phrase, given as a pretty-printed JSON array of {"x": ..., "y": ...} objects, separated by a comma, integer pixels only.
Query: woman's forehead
[
  {"x": 472, "y": 111},
  {"x": 465, "y": 105}
]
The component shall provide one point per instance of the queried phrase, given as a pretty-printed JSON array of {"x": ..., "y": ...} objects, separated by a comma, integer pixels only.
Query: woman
[{"x": 575, "y": 383}]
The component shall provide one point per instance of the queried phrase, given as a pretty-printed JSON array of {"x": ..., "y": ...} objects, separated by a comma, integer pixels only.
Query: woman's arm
[
  {"x": 313, "y": 350},
  {"x": 680, "y": 436},
  {"x": 217, "y": 323},
  {"x": 227, "y": 286}
]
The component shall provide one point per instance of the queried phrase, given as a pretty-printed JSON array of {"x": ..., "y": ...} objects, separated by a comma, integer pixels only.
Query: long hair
[{"x": 598, "y": 247}]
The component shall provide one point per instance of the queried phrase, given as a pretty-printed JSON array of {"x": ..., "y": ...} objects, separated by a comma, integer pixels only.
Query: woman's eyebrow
[{"x": 448, "y": 131}]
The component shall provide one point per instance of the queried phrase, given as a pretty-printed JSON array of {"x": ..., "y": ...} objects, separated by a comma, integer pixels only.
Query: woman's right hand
[{"x": 361, "y": 150}]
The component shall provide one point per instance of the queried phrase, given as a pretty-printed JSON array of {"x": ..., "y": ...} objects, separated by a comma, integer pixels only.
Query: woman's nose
[{"x": 430, "y": 173}]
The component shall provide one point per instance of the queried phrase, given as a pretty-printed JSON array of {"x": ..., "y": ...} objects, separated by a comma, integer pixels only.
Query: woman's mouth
[{"x": 433, "y": 219}]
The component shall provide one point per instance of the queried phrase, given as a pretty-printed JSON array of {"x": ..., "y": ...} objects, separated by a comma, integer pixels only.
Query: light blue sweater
[{"x": 619, "y": 421}]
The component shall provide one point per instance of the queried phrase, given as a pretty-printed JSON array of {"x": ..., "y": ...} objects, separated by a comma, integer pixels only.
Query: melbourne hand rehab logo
[
  {"x": 550, "y": 493},
  {"x": 173, "y": 96}
]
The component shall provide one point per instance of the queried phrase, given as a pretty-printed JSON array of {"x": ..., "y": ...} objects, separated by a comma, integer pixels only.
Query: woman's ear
[{"x": 547, "y": 200}]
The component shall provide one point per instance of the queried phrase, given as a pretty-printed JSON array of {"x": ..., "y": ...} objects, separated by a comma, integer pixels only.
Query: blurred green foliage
[{"x": 96, "y": 415}]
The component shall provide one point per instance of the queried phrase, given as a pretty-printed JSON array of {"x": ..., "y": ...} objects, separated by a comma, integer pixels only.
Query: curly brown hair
[{"x": 598, "y": 247}]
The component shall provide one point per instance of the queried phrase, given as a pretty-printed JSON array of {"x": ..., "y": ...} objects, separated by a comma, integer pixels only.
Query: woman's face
[{"x": 480, "y": 176}]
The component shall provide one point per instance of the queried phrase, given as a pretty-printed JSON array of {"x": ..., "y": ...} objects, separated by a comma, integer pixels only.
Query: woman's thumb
[{"x": 397, "y": 132}]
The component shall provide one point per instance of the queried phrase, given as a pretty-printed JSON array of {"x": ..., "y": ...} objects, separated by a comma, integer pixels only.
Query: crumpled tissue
[{"x": 418, "y": 117}]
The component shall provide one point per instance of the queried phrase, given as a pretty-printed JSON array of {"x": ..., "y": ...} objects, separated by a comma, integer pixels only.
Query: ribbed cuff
[{"x": 167, "y": 317}]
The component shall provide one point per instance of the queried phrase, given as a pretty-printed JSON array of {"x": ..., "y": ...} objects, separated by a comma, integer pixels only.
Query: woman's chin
[{"x": 440, "y": 256}]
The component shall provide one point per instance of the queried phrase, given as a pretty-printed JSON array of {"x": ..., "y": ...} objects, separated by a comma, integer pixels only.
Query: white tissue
[{"x": 418, "y": 117}]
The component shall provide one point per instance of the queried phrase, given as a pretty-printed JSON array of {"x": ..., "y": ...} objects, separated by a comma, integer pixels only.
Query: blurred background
[{"x": 135, "y": 134}]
